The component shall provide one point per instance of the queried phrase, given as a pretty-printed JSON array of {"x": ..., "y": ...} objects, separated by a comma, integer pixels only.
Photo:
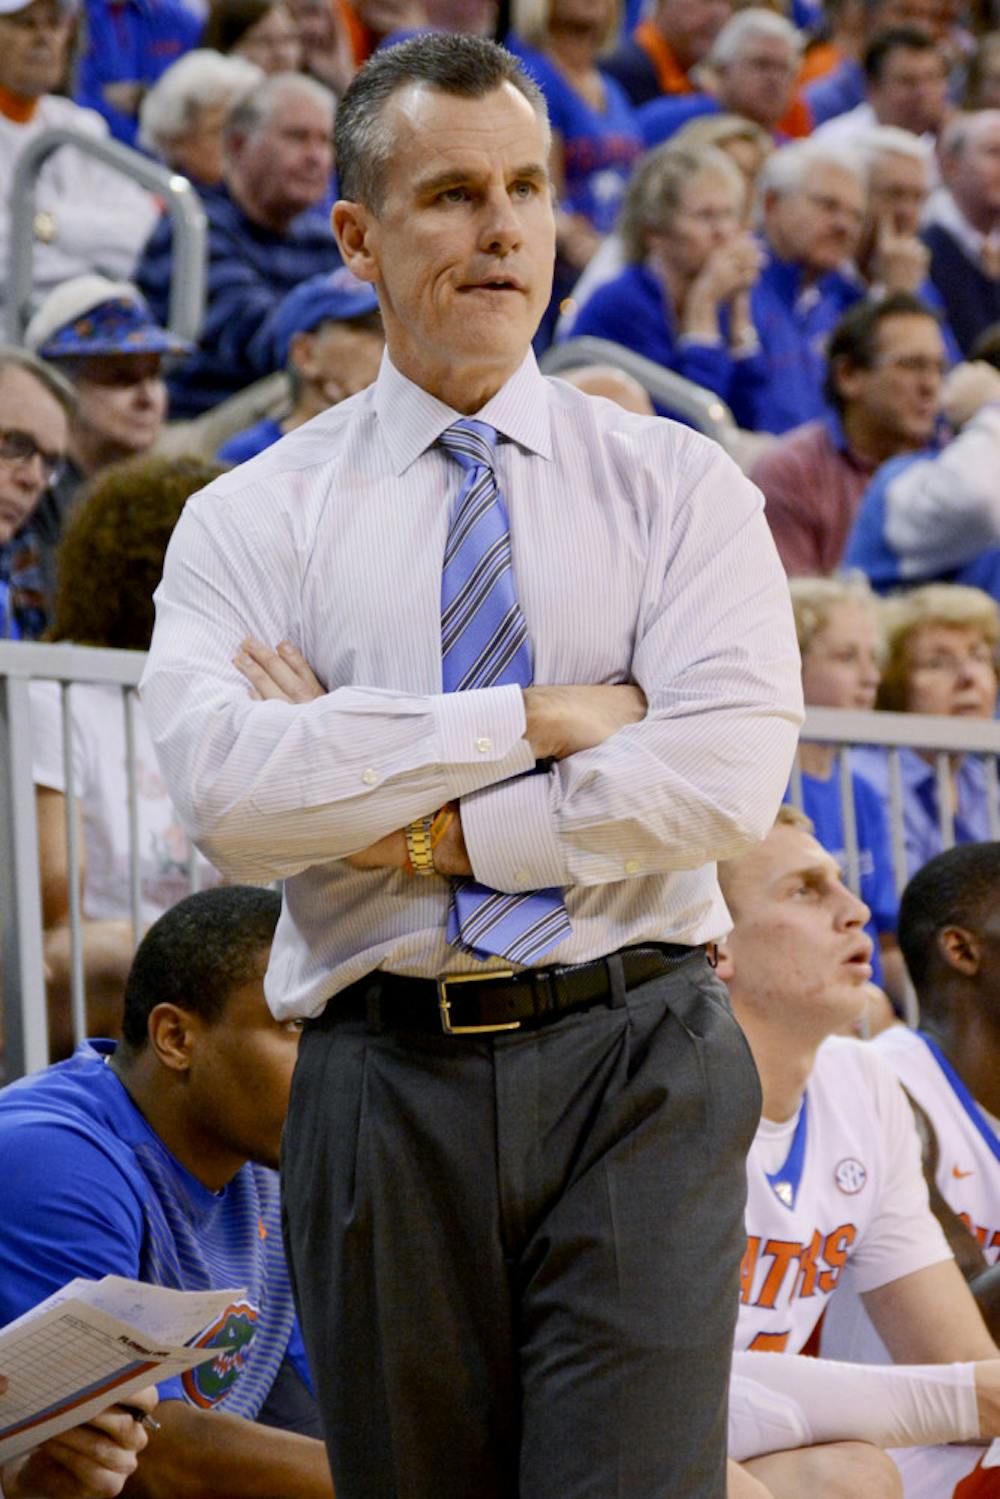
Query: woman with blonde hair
[
  {"x": 840, "y": 641},
  {"x": 683, "y": 298},
  {"x": 941, "y": 658},
  {"x": 746, "y": 144}
]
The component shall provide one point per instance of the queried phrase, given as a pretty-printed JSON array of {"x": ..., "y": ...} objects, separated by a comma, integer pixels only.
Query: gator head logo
[{"x": 233, "y": 1335}]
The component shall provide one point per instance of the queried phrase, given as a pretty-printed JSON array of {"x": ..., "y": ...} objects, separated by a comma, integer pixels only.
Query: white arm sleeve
[
  {"x": 941, "y": 512},
  {"x": 778, "y": 1401}
]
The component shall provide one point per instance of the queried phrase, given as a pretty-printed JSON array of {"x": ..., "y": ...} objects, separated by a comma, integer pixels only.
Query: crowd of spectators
[{"x": 795, "y": 208}]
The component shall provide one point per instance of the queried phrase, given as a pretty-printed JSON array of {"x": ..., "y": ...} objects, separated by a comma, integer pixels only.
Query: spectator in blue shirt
[
  {"x": 840, "y": 639},
  {"x": 941, "y": 643},
  {"x": 595, "y": 137},
  {"x": 812, "y": 201},
  {"x": 683, "y": 299},
  {"x": 265, "y": 235},
  {"x": 844, "y": 88},
  {"x": 934, "y": 515},
  {"x": 328, "y": 334},
  {"x": 181, "y": 119},
  {"x": 130, "y": 44}
]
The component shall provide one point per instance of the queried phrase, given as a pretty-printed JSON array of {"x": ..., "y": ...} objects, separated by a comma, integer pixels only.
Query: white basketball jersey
[
  {"x": 968, "y": 1167},
  {"x": 835, "y": 1195}
]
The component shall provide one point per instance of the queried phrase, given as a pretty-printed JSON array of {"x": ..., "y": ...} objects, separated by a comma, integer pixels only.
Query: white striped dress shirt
[{"x": 640, "y": 554}]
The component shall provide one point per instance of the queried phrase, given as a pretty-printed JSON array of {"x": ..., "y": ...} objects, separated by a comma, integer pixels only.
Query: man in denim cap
[{"x": 327, "y": 334}]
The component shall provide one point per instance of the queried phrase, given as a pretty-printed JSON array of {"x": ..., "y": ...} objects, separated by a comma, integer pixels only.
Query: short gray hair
[
  {"x": 195, "y": 81},
  {"x": 655, "y": 188},
  {"x": 466, "y": 66},
  {"x": 255, "y": 109},
  {"x": 56, "y": 384},
  {"x": 785, "y": 171},
  {"x": 890, "y": 140},
  {"x": 746, "y": 26},
  {"x": 963, "y": 128}
]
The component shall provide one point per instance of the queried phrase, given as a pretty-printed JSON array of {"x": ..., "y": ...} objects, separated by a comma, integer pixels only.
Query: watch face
[{"x": 45, "y": 226}]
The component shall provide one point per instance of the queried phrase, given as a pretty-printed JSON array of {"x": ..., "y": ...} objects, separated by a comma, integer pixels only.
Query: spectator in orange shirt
[{"x": 659, "y": 55}]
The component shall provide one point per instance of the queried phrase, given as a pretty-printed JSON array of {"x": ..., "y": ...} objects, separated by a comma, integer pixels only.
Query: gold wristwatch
[{"x": 418, "y": 845}]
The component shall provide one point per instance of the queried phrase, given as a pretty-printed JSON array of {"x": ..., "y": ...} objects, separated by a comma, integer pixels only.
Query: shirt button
[
  {"x": 484, "y": 745},
  {"x": 632, "y": 866},
  {"x": 369, "y": 776},
  {"x": 521, "y": 877}
]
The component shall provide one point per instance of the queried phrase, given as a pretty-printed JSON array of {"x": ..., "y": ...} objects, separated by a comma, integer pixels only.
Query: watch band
[{"x": 419, "y": 846}]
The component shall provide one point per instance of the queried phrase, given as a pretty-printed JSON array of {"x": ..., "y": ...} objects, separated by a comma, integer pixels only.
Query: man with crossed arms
[{"x": 513, "y": 1163}]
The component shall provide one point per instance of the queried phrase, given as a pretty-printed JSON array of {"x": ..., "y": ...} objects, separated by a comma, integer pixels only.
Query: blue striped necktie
[{"x": 484, "y": 643}]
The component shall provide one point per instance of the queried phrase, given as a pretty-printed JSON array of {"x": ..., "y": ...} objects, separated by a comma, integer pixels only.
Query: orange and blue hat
[{"x": 90, "y": 315}]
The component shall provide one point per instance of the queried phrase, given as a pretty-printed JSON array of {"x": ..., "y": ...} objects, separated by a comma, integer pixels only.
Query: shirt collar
[{"x": 411, "y": 420}]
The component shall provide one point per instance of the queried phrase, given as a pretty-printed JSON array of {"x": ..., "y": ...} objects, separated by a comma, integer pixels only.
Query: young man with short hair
[{"x": 156, "y": 1160}]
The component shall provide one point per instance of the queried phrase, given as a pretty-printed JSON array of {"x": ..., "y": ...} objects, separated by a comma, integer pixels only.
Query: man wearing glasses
[{"x": 36, "y": 405}]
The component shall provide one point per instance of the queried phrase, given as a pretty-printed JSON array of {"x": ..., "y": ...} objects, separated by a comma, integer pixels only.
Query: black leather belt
[{"x": 469, "y": 1004}]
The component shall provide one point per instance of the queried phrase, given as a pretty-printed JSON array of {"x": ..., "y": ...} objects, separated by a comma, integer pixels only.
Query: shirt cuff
[
  {"x": 481, "y": 728},
  {"x": 510, "y": 835}
]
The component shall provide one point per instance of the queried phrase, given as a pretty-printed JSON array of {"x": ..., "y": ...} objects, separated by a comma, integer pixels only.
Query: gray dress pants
[{"x": 516, "y": 1257}]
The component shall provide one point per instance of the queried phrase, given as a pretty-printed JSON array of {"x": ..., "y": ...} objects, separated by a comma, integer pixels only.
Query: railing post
[{"x": 25, "y": 1017}]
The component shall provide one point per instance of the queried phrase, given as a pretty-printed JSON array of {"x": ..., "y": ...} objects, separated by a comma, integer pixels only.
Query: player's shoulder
[
  {"x": 853, "y": 1071},
  {"x": 70, "y": 1121}
]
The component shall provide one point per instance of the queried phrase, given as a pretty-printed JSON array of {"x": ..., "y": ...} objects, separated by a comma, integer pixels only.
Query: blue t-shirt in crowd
[
  {"x": 250, "y": 442},
  {"x": 870, "y": 549},
  {"x": 130, "y": 41},
  {"x": 633, "y": 309},
  {"x": 661, "y": 118},
  {"x": 822, "y": 804},
  {"x": 90, "y": 1189},
  {"x": 836, "y": 92},
  {"x": 793, "y": 323},
  {"x": 921, "y": 824},
  {"x": 600, "y": 148}
]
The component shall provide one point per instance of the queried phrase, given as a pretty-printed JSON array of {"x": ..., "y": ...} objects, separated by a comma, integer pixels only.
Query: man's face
[
  {"x": 974, "y": 174},
  {"x": 691, "y": 26},
  {"x": 286, "y": 163},
  {"x": 462, "y": 246},
  {"x": 840, "y": 665},
  {"x": 818, "y": 224},
  {"x": 798, "y": 954},
  {"x": 122, "y": 401},
  {"x": 240, "y": 1075},
  {"x": 336, "y": 360},
  {"x": 897, "y": 190},
  {"x": 912, "y": 92},
  {"x": 951, "y": 669},
  {"x": 901, "y": 392},
  {"x": 26, "y": 410},
  {"x": 34, "y": 45},
  {"x": 759, "y": 82}
]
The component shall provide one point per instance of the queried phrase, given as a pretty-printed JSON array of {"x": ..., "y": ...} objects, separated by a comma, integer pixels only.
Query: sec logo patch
[
  {"x": 233, "y": 1334},
  {"x": 850, "y": 1175}
]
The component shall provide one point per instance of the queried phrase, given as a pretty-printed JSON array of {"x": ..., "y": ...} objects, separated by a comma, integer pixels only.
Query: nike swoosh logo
[{"x": 958, "y": 1175}]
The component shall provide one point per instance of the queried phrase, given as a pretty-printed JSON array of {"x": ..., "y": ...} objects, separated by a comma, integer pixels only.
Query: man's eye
[
  {"x": 524, "y": 190},
  {"x": 453, "y": 195}
]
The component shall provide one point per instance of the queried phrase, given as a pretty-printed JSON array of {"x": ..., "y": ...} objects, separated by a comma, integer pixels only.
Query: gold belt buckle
[{"x": 444, "y": 1003}]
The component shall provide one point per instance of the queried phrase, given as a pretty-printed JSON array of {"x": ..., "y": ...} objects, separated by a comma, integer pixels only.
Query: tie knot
[{"x": 470, "y": 443}]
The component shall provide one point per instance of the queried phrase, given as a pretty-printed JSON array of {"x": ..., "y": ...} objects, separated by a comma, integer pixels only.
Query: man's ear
[
  {"x": 352, "y": 224},
  {"x": 725, "y": 966},
  {"x": 172, "y": 1036},
  {"x": 960, "y": 949}
]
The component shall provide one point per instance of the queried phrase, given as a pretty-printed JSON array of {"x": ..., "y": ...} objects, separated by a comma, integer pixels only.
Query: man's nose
[
  {"x": 501, "y": 230},
  {"x": 854, "y": 912}
]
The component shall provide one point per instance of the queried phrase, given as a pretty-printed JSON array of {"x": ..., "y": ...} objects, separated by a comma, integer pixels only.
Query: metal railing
[
  {"x": 23, "y": 1012},
  {"x": 187, "y": 275},
  {"x": 701, "y": 408}
]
